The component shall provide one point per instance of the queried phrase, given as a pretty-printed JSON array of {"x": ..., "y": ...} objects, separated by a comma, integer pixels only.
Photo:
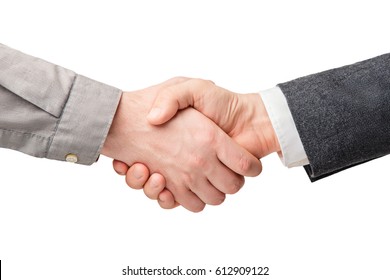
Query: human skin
[
  {"x": 199, "y": 162},
  {"x": 241, "y": 116}
]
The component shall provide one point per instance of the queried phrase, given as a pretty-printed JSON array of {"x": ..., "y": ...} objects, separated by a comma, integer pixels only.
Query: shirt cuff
[
  {"x": 292, "y": 152},
  {"x": 85, "y": 121}
]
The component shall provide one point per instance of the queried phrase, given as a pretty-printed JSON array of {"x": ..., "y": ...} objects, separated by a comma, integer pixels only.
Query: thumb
[{"x": 169, "y": 101}]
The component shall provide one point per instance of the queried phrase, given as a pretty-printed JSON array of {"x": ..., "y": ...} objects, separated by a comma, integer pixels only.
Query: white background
[{"x": 64, "y": 221}]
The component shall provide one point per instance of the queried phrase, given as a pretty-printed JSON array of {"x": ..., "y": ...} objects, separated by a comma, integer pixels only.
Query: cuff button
[{"x": 71, "y": 158}]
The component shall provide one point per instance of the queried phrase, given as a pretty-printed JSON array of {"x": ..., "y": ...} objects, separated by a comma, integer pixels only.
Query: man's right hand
[
  {"x": 199, "y": 162},
  {"x": 241, "y": 116}
]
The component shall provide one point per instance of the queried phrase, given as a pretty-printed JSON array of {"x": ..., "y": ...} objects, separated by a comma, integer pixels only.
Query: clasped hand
[{"x": 189, "y": 156}]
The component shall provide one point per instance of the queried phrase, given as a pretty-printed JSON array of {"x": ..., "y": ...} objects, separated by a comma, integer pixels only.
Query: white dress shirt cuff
[{"x": 292, "y": 151}]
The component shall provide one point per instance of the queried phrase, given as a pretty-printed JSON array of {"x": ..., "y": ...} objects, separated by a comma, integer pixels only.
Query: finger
[
  {"x": 208, "y": 193},
  {"x": 137, "y": 176},
  {"x": 120, "y": 167},
  {"x": 225, "y": 180},
  {"x": 154, "y": 186},
  {"x": 187, "y": 198},
  {"x": 237, "y": 158},
  {"x": 171, "y": 99},
  {"x": 166, "y": 200}
]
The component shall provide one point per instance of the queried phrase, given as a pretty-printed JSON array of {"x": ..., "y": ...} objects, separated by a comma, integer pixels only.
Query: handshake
[{"x": 189, "y": 142}]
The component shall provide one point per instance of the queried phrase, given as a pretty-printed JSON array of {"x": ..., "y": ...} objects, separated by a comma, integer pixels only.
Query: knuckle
[
  {"x": 165, "y": 205},
  {"x": 207, "y": 137},
  {"x": 179, "y": 79},
  {"x": 208, "y": 83},
  {"x": 244, "y": 165},
  {"x": 218, "y": 200},
  {"x": 235, "y": 185},
  {"x": 199, "y": 161},
  {"x": 198, "y": 208},
  {"x": 240, "y": 181},
  {"x": 173, "y": 188},
  {"x": 188, "y": 181},
  {"x": 233, "y": 188},
  {"x": 176, "y": 80},
  {"x": 203, "y": 83}
]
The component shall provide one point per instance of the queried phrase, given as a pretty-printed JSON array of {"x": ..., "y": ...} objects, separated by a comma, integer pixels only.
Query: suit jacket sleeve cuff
[
  {"x": 85, "y": 121},
  {"x": 292, "y": 151}
]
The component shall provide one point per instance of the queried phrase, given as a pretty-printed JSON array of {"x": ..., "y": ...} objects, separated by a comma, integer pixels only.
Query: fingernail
[
  {"x": 154, "y": 113},
  {"x": 138, "y": 172}
]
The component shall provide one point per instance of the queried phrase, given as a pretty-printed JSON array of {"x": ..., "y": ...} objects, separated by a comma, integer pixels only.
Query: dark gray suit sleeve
[{"x": 342, "y": 115}]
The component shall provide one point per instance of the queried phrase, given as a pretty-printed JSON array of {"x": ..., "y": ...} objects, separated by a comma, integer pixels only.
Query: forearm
[
  {"x": 48, "y": 111},
  {"x": 342, "y": 115}
]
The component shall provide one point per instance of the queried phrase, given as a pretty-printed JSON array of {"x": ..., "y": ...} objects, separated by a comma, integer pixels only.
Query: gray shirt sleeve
[
  {"x": 342, "y": 115},
  {"x": 51, "y": 112}
]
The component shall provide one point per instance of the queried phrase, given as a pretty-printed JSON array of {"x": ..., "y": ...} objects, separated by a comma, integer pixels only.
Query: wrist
[
  {"x": 267, "y": 139},
  {"x": 268, "y": 131},
  {"x": 110, "y": 143}
]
